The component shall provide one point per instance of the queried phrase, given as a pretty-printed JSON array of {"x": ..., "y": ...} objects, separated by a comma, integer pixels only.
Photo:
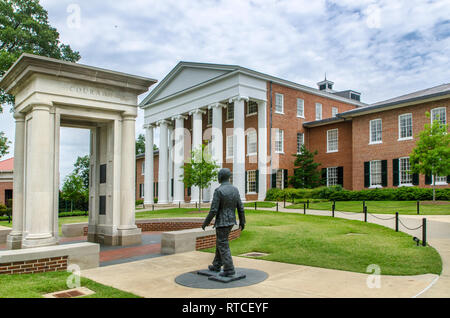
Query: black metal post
[
  {"x": 284, "y": 201},
  {"x": 332, "y": 209},
  {"x": 277, "y": 206},
  {"x": 307, "y": 203},
  {"x": 304, "y": 208},
  {"x": 293, "y": 200},
  {"x": 365, "y": 214},
  {"x": 179, "y": 204},
  {"x": 396, "y": 221},
  {"x": 424, "y": 232},
  {"x": 364, "y": 204},
  {"x": 255, "y": 205},
  {"x": 418, "y": 207}
]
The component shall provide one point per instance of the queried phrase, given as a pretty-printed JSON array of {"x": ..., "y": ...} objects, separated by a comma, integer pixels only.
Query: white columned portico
[
  {"x": 170, "y": 162},
  {"x": 148, "y": 170},
  {"x": 216, "y": 140},
  {"x": 163, "y": 172},
  {"x": 178, "y": 160},
  {"x": 262, "y": 150},
  {"x": 14, "y": 240},
  {"x": 197, "y": 134},
  {"x": 239, "y": 144}
]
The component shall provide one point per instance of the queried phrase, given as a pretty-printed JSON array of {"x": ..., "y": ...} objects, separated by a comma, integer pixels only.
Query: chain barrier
[
  {"x": 411, "y": 229},
  {"x": 384, "y": 219}
]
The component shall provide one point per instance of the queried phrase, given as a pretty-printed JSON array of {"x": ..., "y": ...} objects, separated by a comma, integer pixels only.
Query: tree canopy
[{"x": 306, "y": 174}]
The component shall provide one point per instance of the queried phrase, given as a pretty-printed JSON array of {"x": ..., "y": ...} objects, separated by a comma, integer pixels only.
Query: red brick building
[{"x": 6, "y": 180}]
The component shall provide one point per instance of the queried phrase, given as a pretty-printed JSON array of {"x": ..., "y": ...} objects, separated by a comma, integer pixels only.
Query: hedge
[{"x": 338, "y": 194}]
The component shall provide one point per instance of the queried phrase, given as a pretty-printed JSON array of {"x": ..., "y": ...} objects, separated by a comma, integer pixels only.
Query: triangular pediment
[{"x": 187, "y": 75}]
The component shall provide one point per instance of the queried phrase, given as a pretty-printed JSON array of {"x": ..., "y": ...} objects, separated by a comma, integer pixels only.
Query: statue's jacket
[{"x": 226, "y": 200}]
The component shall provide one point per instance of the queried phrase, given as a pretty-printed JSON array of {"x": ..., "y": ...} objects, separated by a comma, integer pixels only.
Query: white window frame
[
  {"x": 141, "y": 190},
  {"x": 231, "y": 105},
  {"x": 319, "y": 114},
  {"x": 438, "y": 109},
  {"x": 400, "y": 179},
  {"x": 400, "y": 138},
  {"x": 300, "y": 144},
  {"x": 209, "y": 117},
  {"x": 249, "y": 173},
  {"x": 281, "y": 96},
  {"x": 300, "y": 108},
  {"x": 439, "y": 182},
  {"x": 374, "y": 142},
  {"x": 248, "y": 108},
  {"x": 229, "y": 149},
  {"x": 252, "y": 134},
  {"x": 334, "y": 111},
  {"x": 328, "y": 140},
  {"x": 380, "y": 184},
  {"x": 143, "y": 168},
  {"x": 279, "y": 138},
  {"x": 336, "y": 177}
]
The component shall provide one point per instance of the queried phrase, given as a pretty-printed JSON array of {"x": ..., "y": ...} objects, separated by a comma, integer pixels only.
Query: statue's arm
[
  {"x": 213, "y": 210},
  {"x": 241, "y": 214}
]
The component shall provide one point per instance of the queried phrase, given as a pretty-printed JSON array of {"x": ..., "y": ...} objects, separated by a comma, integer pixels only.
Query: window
[
  {"x": 439, "y": 114},
  {"x": 279, "y": 103},
  {"x": 252, "y": 107},
  {"x": 143, "y": 168},
  {"x": 230, "y": 146},
  {"x": 230, "y": 111},
  {"x": 141, "y": 190},
  {"x": 375, "y": 131},
  {"x": 405, "y": 126},
  {"x": 334, "y": 111},
  {"x": 252, "y": 143},
  {"x": 280, "y": 179},
  {"x": 440, "y": 180},
  {"x": 376, "y": 173},
  {"x": 279, "y": 147},
  {"x": 404, "y": 169},
  {"x": 300, "y": 108},
  {"x": 102, "y": 205},
  {"x": 103, "y": 173},
  {"x": 318, "y": 111},
  {"x": 332, "y": 140},
  {"x": 332, "y": 176},
  {"x": 251, "y": 181},
  {"x": 210, "y": 115},
  {"x": 300, "y": 141}
]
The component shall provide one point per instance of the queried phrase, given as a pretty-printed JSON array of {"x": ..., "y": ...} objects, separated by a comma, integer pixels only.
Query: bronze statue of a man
[{"x": 225, "y": 201}]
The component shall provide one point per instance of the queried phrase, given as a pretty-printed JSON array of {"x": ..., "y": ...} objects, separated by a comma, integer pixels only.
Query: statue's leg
[
  {"x": 217, "y": 262},
  {"x": 224, "y": 248}
]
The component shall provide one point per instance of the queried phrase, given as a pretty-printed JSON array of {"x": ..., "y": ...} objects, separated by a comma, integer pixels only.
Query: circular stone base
[{"x": 194, "y": 280}]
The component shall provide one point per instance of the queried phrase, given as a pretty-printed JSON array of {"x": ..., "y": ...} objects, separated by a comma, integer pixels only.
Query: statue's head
[{"x": 224, "y": 175}]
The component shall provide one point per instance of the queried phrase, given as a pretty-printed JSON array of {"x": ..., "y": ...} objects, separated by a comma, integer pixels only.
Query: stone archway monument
[{"x": 51, "y": 94}]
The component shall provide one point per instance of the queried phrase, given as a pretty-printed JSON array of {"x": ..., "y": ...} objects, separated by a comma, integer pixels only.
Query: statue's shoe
[
  {"x": 227, "y": 273},
  {"x": 213, "y": 268}
]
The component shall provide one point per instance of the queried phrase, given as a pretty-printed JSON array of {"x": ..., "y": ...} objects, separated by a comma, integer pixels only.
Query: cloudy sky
[{"x": 381, "y": 48}]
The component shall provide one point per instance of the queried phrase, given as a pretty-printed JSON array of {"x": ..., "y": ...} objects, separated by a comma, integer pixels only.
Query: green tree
[
  {"x": 73, "y": 190},
  {"x": 24, "y": 28},
  {"x": 4, "y": 144},
  {"x": 306, "y": 174},
  {"x": 140, "y": 144},
  {"x": 82, "y": 169},
  {"x": 200, "y": 172},
  {"x": 431, "y": 156}
]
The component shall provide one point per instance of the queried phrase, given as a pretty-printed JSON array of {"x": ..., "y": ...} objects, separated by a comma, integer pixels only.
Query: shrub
[{"x": 139, "y": 202}]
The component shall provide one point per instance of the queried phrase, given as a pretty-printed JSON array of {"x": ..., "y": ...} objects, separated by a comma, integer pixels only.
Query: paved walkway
[{"x": 155, "y": 277}]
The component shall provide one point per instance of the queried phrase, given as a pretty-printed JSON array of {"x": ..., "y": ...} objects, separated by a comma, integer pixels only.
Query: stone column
[
  {"x": 127, "y": 230},
  {"x": 197, "y": 134},
  {"x": 149, "y": 161},
  {"x": 178, "y": 185},
  {"x": 39, "y": 180},
  {"x": 14, "y": 240},
  {"x": 216, "y": 140},
  {"x": 262, "y": 150},
  {"x": 163, "y": 162},
  {"x": 170, "y": 162},
  {"x": 239, "y": 145}
]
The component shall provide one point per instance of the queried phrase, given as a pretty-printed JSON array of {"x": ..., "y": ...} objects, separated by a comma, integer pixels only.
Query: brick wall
[
  {"x": 140, "y": 177},
  {"x": 4, "y": 186},
  {"x": 210, "y": 240},
  {"x": 390, "y": 148},
  {"x": 35, "y": 266},
  {"x": 316, "y": 139}
]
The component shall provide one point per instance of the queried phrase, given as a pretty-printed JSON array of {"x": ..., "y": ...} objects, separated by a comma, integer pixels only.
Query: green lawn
[
  {"x": 36, "y": 285},
  {"x": 335, "y": 243},
  {"x": 260, "y": 204},
  {"x": 385, "y": 207}
]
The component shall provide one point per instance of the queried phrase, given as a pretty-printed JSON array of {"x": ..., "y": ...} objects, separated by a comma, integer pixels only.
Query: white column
[
  {"x": 239, "y": 145},
  {"x": 163, "y": 172},
  {"x": 149, "y": 161},
  {"x": 14, "y": 240},
  {"x": 216, "y": 140},
  {"x": 170, "y": 162},
  {"x": 197, "y": 134},
  {"x": 178, "y": 160},
  {"x": 262, "y": 150},
  {"x": 39, "y": 180}
]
